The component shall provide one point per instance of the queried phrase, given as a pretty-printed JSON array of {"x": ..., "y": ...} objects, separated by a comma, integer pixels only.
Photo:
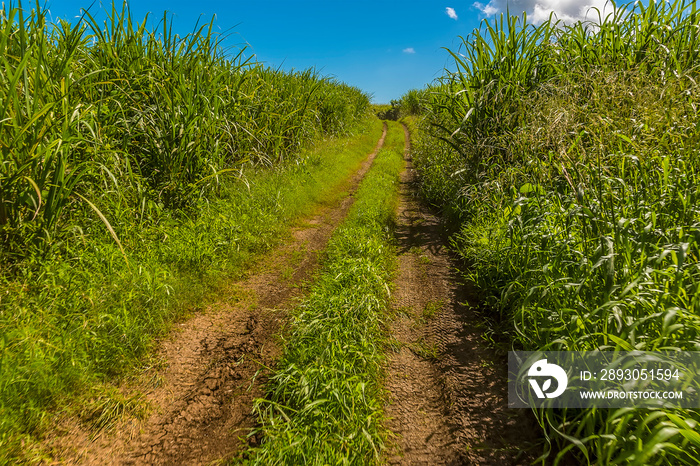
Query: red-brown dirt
[{"x": 447, "y": 400}]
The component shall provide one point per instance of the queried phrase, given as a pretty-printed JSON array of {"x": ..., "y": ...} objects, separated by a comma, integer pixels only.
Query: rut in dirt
[
  {"x": 448, "y": 390},
  {"x": 216, "y": 365}
]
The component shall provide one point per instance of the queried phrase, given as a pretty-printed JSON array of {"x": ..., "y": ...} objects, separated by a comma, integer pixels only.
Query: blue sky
[{"x": 383, "y": 47}]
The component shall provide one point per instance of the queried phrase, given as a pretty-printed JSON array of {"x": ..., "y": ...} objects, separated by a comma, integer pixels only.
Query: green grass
[
  {"x": 566, "y": 158},
  {"x": 431, "y": 308},
  {"x": 424, "y": 349},
  {"x": 323, "y": 403},
  {"x": 136, "y": 121},
  {"x": 410, "y": 104}
]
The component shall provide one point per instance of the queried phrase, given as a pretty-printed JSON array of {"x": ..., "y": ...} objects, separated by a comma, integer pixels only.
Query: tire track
[
  {"x": 216, "y": 364},
  {"x": 448, "y": 391}
]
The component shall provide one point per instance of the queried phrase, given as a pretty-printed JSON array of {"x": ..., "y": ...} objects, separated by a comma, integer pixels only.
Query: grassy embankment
[
  {"x": 139, "y": 169},
  {"x": 568, "y": 159},
  {"x": 324, "y": 400}
]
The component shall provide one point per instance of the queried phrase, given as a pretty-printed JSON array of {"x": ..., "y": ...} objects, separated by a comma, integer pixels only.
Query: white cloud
[
  {"x": 568, "y": 11},
  {"x": 488, "y": 10},
  {"x": 409, "y": 50},
  {"x": 451, "y": 13}
]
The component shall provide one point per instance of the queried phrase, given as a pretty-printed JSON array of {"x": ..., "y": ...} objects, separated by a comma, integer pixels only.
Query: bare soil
[
  {"x": 215, "y": 364},
  {"x": 447, "y": 401}
]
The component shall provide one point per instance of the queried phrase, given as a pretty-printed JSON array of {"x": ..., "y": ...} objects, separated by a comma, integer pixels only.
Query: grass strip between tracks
[{"x": 324, "y": 400}]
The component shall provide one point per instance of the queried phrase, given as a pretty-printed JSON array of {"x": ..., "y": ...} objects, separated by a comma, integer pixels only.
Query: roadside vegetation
[
  {"x": 567, "y": 159},
  {"x": 324, "y": 400},
  {"x": 137, "y": 168},
  {"x": 408, "y": 105}
]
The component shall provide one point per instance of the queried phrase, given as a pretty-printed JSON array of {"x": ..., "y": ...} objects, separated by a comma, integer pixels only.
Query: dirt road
[
  {"x": 215, "y": 365},
  {"x": 448, "y": 394}
]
